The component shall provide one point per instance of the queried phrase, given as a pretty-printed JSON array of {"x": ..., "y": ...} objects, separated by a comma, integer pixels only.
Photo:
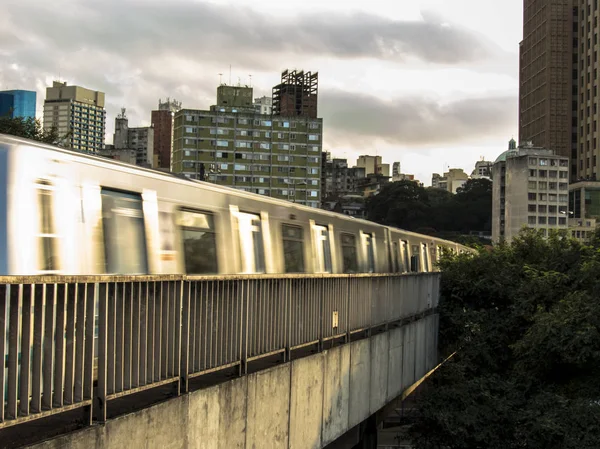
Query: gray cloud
[
  {"x": 355, "y": 120},
  {"x": 139, "y": 51},
  {"x": 140, "y": 30}
]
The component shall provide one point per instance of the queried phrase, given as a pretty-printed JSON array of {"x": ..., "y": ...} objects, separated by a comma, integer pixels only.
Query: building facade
[
  {"x": 340, "y": 179},
  {"x": 274, "y": 156},
  {"x": 78, "y": 114},
  {"x": 18, "y": 103},
  {"x": 140, "y": 140},
  {"x": 297, "y": 94},
  {"x": 451, "y": 181},
  {"x": 531, "y": 189},
  {"x": 584, "y": 208},
  {"x": 483, "y": 169},
  {"x": 548, "y": 76},
  {"x": 162, "y": 122},
  {"x": 373, "y": 165},
  {"x": 264, "y": 105}
]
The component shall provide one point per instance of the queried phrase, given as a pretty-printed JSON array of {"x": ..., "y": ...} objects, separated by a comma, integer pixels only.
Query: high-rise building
[
  {"x": 531, "y": 188},
  {"x": 483, "y": 169},
  {"x": 78, "y": 114},
  {"x": 396, "y": 171},
  {"x": 140, "y": 139},
  {"x": 162, "y": 122},
  {"x": 264, "y": 105},
  {"x": 548, "y": 76},
  {"x": 584, "y": 209},
  {"x": 373, "y": 165},
  {"x": 297, "y": 94},
  {"x": 451, "y": 181},
  {"x": 17, "y": 103},
  {"x": 234, "y": 96},
  {"x": 275, "y": 156}
]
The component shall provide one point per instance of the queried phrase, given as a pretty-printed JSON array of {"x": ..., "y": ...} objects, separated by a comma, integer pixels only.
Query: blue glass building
[{"x": 17, "y": 103}]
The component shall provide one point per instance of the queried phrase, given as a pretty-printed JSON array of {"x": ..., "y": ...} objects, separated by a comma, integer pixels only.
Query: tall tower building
[
  {"x": 162, "y": 121},
  {"x": 548, "y": 81},
  {"x": 140, "y": 139},
  {"x": 297, "y": 94},
  {"x": 17, "y": 103},
  {"x": 78, "y": 114}
]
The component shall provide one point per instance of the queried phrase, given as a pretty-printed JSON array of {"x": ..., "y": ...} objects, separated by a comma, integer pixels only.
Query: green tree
[
  {"x": 409, "y": 206},
  {"x": 29, "y": 128},
  {"x": 524, "y": 323}
]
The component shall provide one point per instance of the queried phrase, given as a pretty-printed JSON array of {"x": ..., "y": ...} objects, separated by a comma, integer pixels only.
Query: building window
[
  {"x": 313, "y": 137},
  {"x": 532, "y": 196},
  {"x": 542, "y": 208},
  {"x": 543, "y": 173},
  {"x": 553, "y": 185},
  {"x": 543, "y": 197},
  {"x": 543, "y": 162},
  {"x": 543, "y": 185},
  {"x": 531, "y": 207},
  {"x": 532, "y": 161},
  {"x": 562, "y": 221},
  {"x": 552, "y": 209},
  {"x": 532, "y": 172},
  {"x": 542, "y": 220},
  {"x": 532, "y": 185},
  {"x": 531, "y": 220}
]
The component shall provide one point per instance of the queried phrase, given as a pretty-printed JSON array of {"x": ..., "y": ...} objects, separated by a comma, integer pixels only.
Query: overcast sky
[{"x": 429, "y": 83}]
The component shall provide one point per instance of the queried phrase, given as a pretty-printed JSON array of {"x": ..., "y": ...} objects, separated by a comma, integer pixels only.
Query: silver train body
[{"x": 63, "y": 212}]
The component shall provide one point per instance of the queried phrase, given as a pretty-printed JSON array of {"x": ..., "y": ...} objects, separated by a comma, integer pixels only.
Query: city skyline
[{"x": 456, "y": 101}]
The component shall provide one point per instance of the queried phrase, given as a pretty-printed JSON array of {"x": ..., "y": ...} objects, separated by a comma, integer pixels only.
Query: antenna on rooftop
[
  {"x": 220, "y": 79},
  {"x": 250, "y": 80}
]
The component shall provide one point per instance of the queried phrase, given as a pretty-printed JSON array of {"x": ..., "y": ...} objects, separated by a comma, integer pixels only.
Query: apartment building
[
  {"x": 78, "y": 114},
  {"x": 531, "y": 189}
]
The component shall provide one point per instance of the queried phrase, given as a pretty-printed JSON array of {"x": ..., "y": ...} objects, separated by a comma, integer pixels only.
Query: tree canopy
[
  {"x": 524, "y": 323},
  {"x": 29, "y": 128},
  {"x": 409, "y": 206}
]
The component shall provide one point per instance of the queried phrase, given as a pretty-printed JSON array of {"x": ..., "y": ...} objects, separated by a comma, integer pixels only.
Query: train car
[{"x": 64, "y": 212}]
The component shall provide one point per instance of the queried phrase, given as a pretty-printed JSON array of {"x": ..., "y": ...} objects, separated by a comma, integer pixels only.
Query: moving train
[{"x": 63, "y": 212}]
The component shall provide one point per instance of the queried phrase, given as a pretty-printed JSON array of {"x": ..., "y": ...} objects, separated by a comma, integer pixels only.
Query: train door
[
  {"x": 369, "y": 251},
  {"x": 124, "y": 232},
  {"x": 415, "y": 259},
  {"x": 252, "y": 248},
  {"x": 405, "y": 256},
  {"x": 425, "y": 257},
  {"x": 322, "y": 247}
]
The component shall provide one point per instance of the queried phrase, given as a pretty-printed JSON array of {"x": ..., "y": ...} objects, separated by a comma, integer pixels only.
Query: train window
[
  {"x": 293, "y": 248},
  {"x": 369, "y": 247},
  {"x": 48, "y": 239},
  {"x": 251, "y": 243},
  {"x": 405, "y": 259},
  {"x": 199, "y": 242},
  {"x": 124, "y": 233},
  {"x": 395, "y": 261},
  {"x": 414, "y": 259},
  {"x": 349, "y": 253},
  {"x": 323, "y": 247},
  {"x": 425, "y": 252}
]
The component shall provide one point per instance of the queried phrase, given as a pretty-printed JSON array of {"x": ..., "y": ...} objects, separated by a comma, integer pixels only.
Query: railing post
[
  {"x": 244, "y": 327},
  {"x": 287, "y": 328},
  {"x": 102, "y": 351},
  {"x": 185, "y": 336}
]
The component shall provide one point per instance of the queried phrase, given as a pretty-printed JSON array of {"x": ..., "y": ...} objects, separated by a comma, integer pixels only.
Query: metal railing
[{"x": 81, "y": 341}]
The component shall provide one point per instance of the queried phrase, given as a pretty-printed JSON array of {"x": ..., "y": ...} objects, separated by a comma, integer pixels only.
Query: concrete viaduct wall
[{"x": 306, "y": 403}]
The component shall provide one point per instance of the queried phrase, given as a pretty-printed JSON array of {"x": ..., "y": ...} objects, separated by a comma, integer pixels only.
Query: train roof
[{"x": 9, "y": 139}]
